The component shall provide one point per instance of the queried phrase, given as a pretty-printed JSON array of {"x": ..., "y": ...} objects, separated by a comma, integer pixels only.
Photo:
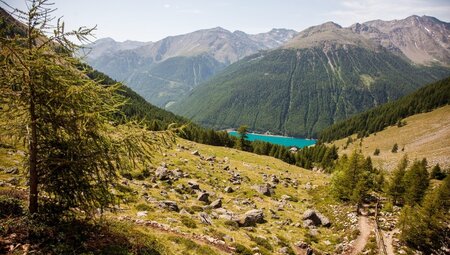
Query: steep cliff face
[{"x": 423, "y": 40}]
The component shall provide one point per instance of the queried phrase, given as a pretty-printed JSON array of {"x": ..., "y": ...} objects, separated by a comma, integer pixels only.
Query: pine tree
[
  {"x": 396, "y": 187},
  {"x": 415, "y": 183},
  {"x": 76, "y": 148},
  {"x": 243, "y": 135}
]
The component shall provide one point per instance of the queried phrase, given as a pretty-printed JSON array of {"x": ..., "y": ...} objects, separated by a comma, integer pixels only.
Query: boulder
[
  {"x": 195, "y": 153},
  {"x": 193, "y": 185},
  {"x": 316, "y": 218},
  {"x": 203, "y": 196},
  {"x": 169, "y": 205},
  {"x": 264, "y": 189},
  {"x": 251, "y": 217},
  {"x": 162, "y": 173},
  {"x": 216, "y": 204},
  {"x": 228, "y": 189},
  {"x": 204, "y": 218},
  {"x": 142, "y": 213}
]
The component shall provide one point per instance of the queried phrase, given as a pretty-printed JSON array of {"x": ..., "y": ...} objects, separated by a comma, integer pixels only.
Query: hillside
[
  {"x": 300, "y": 91},
  {"x": 425, "y": 135},
  {"x": 423, "y": 100},
  {"x": 165, "y": 70}
]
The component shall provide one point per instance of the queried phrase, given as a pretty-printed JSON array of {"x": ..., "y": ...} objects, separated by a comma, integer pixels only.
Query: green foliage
[
  {"x": 416, "y": 183},
  {"x": 188, "y": 222},
  {"x": 263, "y": 242},
  {"x": 241, "y": 249},
  {"x": 396, "y": 186},
  {"x": 425, "y": 99},
  {"x": 436, "y": 173},
  {"x": 242, "y": 143},
  {"x": 232, "y": 225},
  {"x": 76, "y": 144},
  {"x": 376, "y": 152},
  {"x": 353, "y": 178},
  {"x": 10, "y": 206},
  {"x": 394, "y": 148},
  {"x": 192, "y": 246},
  {"x": 424, "y": 227},
  {"x": 143, "y": 207},
  {"x": 291, "y": 91}
]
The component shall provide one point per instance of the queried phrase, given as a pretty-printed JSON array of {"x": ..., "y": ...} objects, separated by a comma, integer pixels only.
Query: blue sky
[{"x": 152, "y": 20}]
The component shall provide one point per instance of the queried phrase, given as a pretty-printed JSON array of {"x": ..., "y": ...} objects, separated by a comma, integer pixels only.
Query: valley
[{"x": 340, "y": 141}]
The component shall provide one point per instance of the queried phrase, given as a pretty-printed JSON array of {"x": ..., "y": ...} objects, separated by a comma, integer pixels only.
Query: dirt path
[
  {"x": 388, "y": 236},
  {"x": 365, "y": 228}
]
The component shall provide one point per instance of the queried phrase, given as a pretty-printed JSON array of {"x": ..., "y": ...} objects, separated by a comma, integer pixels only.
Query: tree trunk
[{"x": 33, "y": 199}]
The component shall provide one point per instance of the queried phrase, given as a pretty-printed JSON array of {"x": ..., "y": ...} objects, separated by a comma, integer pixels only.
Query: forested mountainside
[
  {"x": 163, "y": 71},
  {"x": 423, "y": 100},
  {"x": 301, "y": 91}
]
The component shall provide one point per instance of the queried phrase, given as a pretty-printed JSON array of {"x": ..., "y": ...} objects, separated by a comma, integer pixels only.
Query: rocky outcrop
[
  {"x": 265, "y": 189},
  {"x": 250, "y": 218},
  {"x": 313, "y": 218}
]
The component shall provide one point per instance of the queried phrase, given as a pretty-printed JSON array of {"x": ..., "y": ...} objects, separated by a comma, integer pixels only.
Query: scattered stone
[
  {"x": 203, "y": 196},
  {"x": 162, "y": 173},
  {"x": 251, "y": 217},
  {"x": 195, "y": 153},
  {"x": 228, "y": 189},
  {"x": 264, "y": 189},
  {"x": 204, "y": 218},
  {"x": 316, "y": 218},
  {"x": 169, "y": 205},
  {"x": 13, "y": 181},
  {"x": 210, "y": 158},
  {"x": 193, "y": 185},
  {"x": 274, "y": 179},
  {"x": 11, "y": 170},
  {"x": 142, "y": 213},
  {"x": 216, "y": 204},
  {"x": 286, "y": 198},
  {"x": 284, "y": 250}
]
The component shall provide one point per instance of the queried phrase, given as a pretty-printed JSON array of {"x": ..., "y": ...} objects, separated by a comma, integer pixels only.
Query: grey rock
[
  {"x": 195, "y": 153},
  {"x": 228, "y": 189},
  {"x": 264, "y": 189},
  {"x": 162, "y": 173},
  {"x": 169, "y": 205},
  {"x": 216, "y": 204},
  {"x": 193, "y": 185},
  {"x": 142, "y": 213},
  {"x": 204, "y": 218},
  {"x": 203, "y": 196},
  {"x": 251, "y": 217},
  {"x": 317, "y": 218}
]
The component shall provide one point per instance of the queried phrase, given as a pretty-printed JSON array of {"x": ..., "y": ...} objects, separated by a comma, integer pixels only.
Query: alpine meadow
[{"x": 155, "y": 129}]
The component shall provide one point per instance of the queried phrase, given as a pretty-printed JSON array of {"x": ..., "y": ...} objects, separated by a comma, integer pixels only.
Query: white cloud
[
  {"x": 167, "y": 6},
  {"x": 352, "y": 11}
]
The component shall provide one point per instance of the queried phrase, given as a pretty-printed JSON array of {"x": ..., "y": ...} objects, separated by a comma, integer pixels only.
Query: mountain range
[
  {"x": 164, "y": 71},
  {"x": 282, "y": 81},
  {"x": 324, "y": 74}
]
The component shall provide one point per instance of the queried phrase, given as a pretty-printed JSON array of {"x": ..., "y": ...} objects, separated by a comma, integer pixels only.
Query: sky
[{"x": 152, "y": 20}]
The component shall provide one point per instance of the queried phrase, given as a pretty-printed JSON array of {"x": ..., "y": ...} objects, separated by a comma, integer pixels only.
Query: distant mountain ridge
[
  {"x": 324, "y": 74},
  {"x": 163, "y": 71}
]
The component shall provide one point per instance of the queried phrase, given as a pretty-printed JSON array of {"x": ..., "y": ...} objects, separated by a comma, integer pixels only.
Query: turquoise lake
[{"x": 280, "y": 140}]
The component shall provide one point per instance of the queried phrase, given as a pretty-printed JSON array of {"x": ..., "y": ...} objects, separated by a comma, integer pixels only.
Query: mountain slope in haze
[
  {"x": 164, "y": 71},
  {"x": 423, "y": 40},
  {"x": 325, "y": 74}
]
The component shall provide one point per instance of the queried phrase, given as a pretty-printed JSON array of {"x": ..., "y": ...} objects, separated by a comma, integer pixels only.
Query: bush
[
  {"x": 394, "y": 148},
  {"x": 188, "y": 222},
  {"x": 241, "y": 249},
  {"x": 376, "y": 152},
  {"x": 10, "y": 207},
  {"x": 232, "y": 225}
]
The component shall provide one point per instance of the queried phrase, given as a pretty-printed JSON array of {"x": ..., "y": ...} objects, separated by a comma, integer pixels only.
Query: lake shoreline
[{"x": 277, "y": 139}]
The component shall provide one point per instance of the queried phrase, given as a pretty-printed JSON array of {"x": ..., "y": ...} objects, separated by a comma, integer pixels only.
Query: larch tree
[{"x": 76, "y": 145}]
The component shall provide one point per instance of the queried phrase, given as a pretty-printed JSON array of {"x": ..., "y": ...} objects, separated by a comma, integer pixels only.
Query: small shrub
[
  {"x": 376, "y": 152},
  {"x": 127, "y": 176},
  {"x": 241, "y": 249},
  {"x": 188, "y": 222},
  {"x": 232, "y": 225},
  {"x": 262, "y": 242},
  {"x": 394, "y": 148},
  {"x": 10, "y": 207},
  {"x": 143, "y": 207}
]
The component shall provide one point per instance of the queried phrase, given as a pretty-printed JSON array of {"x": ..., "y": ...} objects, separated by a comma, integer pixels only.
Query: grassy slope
[
  {"x": 425, "y": 135},
  {"x": 213, "y": 179}
]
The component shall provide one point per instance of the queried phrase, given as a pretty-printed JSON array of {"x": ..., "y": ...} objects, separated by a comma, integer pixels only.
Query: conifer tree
[
  {"x": 75, "y": 148},
  {"x": 415, "y": 183},
  {"x": 396, "y": 187}
]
